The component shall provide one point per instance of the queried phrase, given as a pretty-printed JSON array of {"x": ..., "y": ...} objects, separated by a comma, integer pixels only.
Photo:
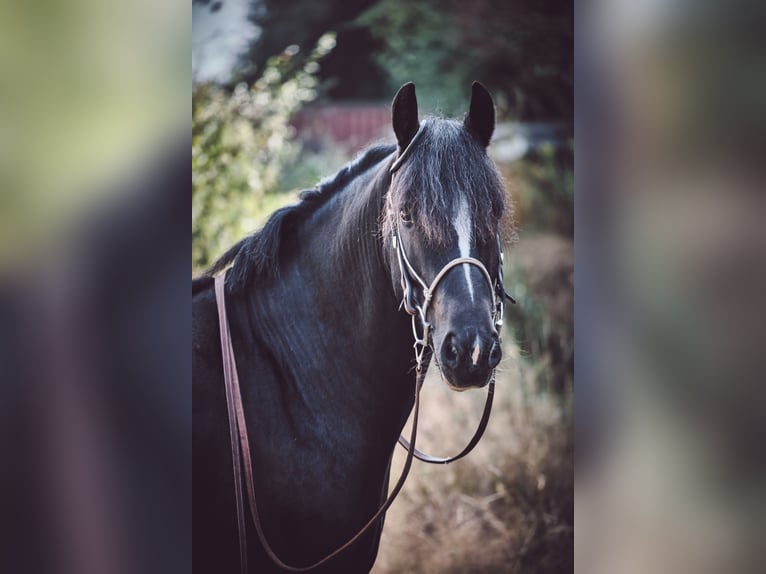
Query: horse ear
[
  {"x": 404, "y": 115},
  {"x": 480, "y": 120}
]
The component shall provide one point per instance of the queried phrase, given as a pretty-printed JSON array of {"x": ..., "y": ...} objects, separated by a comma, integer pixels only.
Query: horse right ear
[
  {"x": 404, "y": 114},
  {"x": 480, "y": 120}
]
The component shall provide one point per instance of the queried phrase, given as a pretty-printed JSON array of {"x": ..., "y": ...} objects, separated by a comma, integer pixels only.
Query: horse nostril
[
  {"x": 495, "y": 354},
  {"x": 450, "y": 354}
]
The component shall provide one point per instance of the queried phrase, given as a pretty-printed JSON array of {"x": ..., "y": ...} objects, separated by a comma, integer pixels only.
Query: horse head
[{"x": 443, "y": 212}]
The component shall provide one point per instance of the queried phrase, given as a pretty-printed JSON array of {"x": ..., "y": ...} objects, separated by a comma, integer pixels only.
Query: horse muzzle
[{"x": 468, "y": 357}]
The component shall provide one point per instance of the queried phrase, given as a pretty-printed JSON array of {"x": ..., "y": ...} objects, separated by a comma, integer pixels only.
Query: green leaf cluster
[{"x": 242, "y": 140}]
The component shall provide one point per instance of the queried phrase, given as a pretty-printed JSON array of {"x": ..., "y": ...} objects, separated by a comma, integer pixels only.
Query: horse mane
[
  {"x": 256, "y": 257},
  {"x": 445, "y": 165}
]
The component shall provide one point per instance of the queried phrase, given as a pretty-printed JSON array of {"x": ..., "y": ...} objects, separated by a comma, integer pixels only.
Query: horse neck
[{"x": 332, "y": 320}]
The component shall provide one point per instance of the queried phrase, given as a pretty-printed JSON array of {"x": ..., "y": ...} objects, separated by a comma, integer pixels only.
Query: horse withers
[{"x": 322, "y": 306}]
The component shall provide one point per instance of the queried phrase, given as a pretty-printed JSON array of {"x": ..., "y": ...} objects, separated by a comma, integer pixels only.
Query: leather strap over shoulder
[
  {"x": 241, "y": 454},
  {"x": 231, "y": 381}
]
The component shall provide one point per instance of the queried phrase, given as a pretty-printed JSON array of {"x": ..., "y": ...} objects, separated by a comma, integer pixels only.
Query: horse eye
[{"x": 405, "y": 217}]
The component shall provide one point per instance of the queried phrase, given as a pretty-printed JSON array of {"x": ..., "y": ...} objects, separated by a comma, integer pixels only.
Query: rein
[{"x": 242, "y": 460}]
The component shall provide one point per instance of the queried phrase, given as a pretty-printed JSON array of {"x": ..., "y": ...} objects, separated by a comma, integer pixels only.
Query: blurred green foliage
[
  {"x": 542, "y": 185},
  {"x": 539, "y": 270},
  {"x": 521, "y": 50},
  {"x": 298, "y": 22},
  {"x": 241, "y": 143},
  {"x": 541, "y": 278}
]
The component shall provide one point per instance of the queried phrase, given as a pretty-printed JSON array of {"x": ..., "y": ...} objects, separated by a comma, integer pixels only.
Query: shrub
[{"x": 241, "y": 142}]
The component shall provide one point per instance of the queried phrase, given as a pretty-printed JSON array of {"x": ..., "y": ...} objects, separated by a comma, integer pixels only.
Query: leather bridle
[
  {"x": 240, "y": 444},
  {"x": 419, "y": 311}
]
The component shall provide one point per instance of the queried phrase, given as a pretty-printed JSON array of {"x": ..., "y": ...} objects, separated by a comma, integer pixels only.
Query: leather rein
[
  {"x": 240, "y": 450},
  {"x": 240, "y": 444}
]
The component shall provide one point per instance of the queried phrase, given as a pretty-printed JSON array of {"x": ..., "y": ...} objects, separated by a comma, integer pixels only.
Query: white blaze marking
[
  {"x": 476, "y": 351},
  {"x": 463, "y": 226}
]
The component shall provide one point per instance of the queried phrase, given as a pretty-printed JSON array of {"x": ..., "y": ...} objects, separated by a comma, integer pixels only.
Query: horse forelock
[{"x": 446, "y": 166}]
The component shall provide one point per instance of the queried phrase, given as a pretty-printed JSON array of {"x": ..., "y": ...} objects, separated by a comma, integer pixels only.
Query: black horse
[{"x": 324, "y": 348}]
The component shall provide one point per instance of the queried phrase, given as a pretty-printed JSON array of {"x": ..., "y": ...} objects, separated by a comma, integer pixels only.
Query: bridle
[
  {"x": 240, "y": 444},
  {"x": 419, "y": 312}
]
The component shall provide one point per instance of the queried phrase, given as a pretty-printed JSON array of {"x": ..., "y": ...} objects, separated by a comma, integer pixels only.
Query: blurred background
[
  {"x": 284, "y": 94},
  {"x": 671, "y": 271}
]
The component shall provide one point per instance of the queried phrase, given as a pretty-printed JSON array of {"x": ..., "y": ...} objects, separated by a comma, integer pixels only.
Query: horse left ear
[
  {"x": 404, "y": 115},
  {"x": 480, "y": 120}
]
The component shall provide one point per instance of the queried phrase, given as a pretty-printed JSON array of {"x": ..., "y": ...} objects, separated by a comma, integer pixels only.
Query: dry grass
[{"x": 508, "y": 506}]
